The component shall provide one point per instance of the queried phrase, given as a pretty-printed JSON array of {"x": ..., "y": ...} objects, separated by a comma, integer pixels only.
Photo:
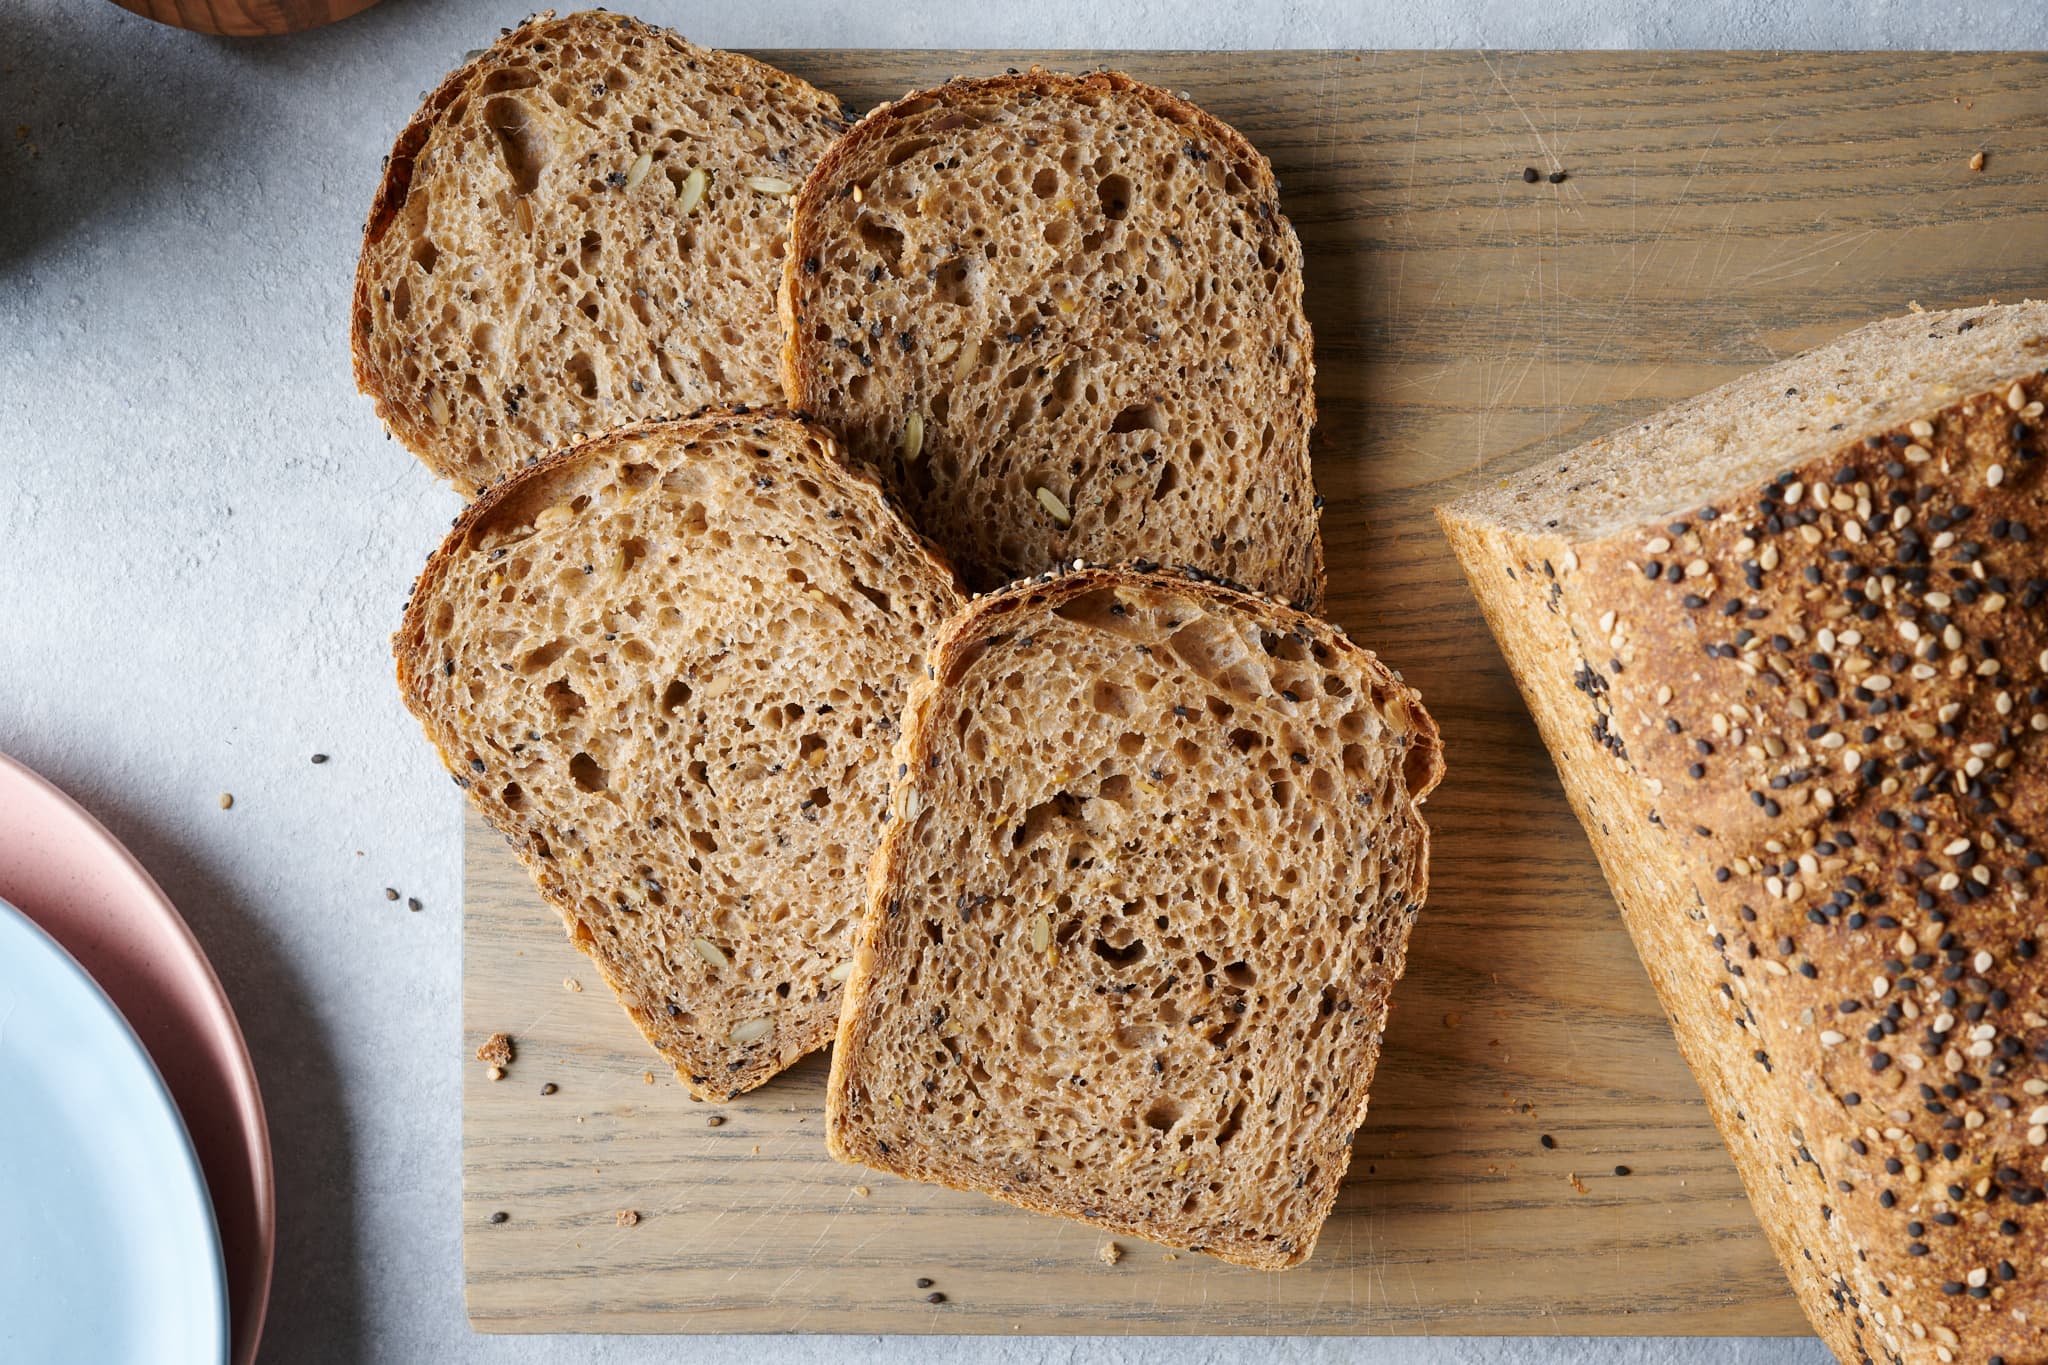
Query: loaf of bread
[
  {"x": 1131, "y": 933},
  {"x": 1062, "y": 316},
  {"x": 667, "y": 664},
  {"x": 1788, "y": 644},
  {"x": 582, "y": 226}
]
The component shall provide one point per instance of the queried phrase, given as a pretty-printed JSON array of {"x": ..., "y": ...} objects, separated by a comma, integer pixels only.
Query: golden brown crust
[
  {"x": 531, "y": 840},
  {"x": 1805, "y": 728},
  {"x": 1305, "y": 590},
  {"x": 959, "y": 642}
]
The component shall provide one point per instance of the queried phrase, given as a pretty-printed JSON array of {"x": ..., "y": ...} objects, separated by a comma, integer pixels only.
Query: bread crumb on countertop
[
  {"x": 496, "y": 1051},
  {"x": 627, "y": 1218},
  {"x": 1109, "y": 1253}
]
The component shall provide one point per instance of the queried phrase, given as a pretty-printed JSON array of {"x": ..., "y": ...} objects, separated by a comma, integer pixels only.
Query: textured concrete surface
[{"x": 204, "y": 540}]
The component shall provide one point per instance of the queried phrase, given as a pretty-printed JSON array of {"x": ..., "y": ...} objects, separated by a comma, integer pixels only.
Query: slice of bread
[
  {"x": 1062, "y": 315},
  {"x": 1788, "y": 644},
  {"x": 668, "y": 664},
  {"x": 1131, "y": 935},
  {"x": 582, "y": 226}
]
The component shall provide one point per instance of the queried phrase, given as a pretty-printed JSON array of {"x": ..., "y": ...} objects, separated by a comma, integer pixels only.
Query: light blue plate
[{"x": 108, "y": 1250}]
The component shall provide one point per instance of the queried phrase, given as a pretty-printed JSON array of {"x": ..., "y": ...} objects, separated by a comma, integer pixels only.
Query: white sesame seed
[
  {"x": 2037, "y": 1086},
  {"x": 1994, "y": 476},
  {"x": 1658, "y": 545},
  {"x": 2037, "y": 1135},
  {"x": 1878, "y": 682},
  {"x": 1917, "y": 454},
  {"x": 2015, "y": 397},
  {"x": 1982, "y": 962},
  {"x": 1830, "y": 1038},
  {"x": 1977, "y": 1277},
  {"x": 1879, "y": 985},
  {"x": 1921, "y": 429},
  {"x": 1955, "y": 846},
  {"x": 1980, "y": 1049},
  {"x": 1768, "y": 560},
  {"x": 1984, "y": 1033},
  {"x": 1606, "y": 622},
  {"x": 1570, "y": 562},
  {"x": 2043, "y": 661},
  {"x": 2040, "y": 1115},
  {"x": 1943, "y": 1022}
]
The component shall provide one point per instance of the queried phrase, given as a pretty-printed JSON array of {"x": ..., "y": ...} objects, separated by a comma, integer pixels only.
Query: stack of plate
[{"x": 136, "y": 1207}]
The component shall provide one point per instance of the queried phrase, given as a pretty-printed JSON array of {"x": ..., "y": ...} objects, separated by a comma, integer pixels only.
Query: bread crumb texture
[
  {"x": 1063, "y": 317},
  {"x": 1804, "y": 714},
  {"x": 582, "y": 226},
  {"x": 668, "y": 664},
  {"x": 1156, "y": 854}
]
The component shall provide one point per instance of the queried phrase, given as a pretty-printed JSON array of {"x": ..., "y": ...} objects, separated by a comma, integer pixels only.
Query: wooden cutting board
[{"x": 1717, "y": 212}]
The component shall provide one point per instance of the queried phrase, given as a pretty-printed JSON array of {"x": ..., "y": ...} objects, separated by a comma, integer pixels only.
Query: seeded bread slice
[
  {"x": 1131, "y": 935},
  {"x": 1062, "y": 315},
  {"x": 1788, "y": 644},
  {"x": 667, "y": 664},
  {"x": 582, "y": 226}
]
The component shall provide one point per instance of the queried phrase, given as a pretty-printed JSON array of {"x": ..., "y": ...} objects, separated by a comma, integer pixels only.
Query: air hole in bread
[
  {"x": 521, "y": 143},
  {"x": 506, "y": 78},
  {"x": 512, "y": 796},
  {"x": 952, "y": 283},
  {"x": 583, "y": 374},
  {"x": 885, "y": 241},
  {"x": 562, "y": 699},
  {"x": 588, "y": 774},
  {"x": 1128, "y": 955},
  {"x": 909, "y": 147},
  {"x": 1162, "y": 1114}
]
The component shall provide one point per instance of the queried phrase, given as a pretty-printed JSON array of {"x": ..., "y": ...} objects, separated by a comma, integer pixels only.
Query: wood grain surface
[
  {"x": 1717, "y": 212},
  {"x": 246, "y": 18}
]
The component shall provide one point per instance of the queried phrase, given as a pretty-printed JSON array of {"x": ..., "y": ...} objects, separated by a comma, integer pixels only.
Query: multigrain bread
[
  {"x": 1062, "y": 315},
  {"x": 582, "y": 226},
  {"x": 667, "y": 664},
  {"x": 1131, "y": 933},
  {"x": 1786, "y": 643}
]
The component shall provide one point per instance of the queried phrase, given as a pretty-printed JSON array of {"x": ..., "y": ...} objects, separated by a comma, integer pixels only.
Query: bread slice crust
[
  {"x": 526, "y": 276},
  {"x": 1041, "y": 999},
  {"x": 666, "y": 665},
  {"x": 1062, "y": 316},
  {"x": 1804, "y": 719}
]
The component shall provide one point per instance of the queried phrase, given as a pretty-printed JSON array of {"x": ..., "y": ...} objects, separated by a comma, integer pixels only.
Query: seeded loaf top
[
  {"x": 1062, "y": 316},
  {"x": 582, "y": 226},
  {"x": 1789, "y": 645},
  {"x": 667, "y": 664},
  {"x": 1131, "y": 936}
]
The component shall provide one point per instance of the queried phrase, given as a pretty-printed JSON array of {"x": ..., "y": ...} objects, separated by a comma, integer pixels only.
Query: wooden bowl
[{"x": 245, "y": 18}]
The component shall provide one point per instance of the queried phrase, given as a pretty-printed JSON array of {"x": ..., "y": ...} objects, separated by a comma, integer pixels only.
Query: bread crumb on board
[
  {"x": 1977, "y": 161},
  {"x": 496, "y": 1053},
  {"x": 627, "y": 1218},
  {"x": 227, "y": 800},
  {"x": 570, "y": 983},
  {"x": 1109, "y": 1253},
  {"x": 862, "y": 1190}
]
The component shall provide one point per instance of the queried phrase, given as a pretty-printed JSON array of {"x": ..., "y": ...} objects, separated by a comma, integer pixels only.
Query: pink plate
[{"x": 62, "y": 869}]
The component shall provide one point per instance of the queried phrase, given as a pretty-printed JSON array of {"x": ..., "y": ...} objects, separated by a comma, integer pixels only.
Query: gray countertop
[{"x": 205, "y": 538}]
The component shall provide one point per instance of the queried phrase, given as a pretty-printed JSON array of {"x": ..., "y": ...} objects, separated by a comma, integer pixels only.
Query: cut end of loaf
[
  {"x": 1155, "y": 854},
  {"x": 668, "y": 665},
  {"x": 1743, "y": 433},
  {"x": 581, "y": 227},
  {"x": 1062, "y": 316}
]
